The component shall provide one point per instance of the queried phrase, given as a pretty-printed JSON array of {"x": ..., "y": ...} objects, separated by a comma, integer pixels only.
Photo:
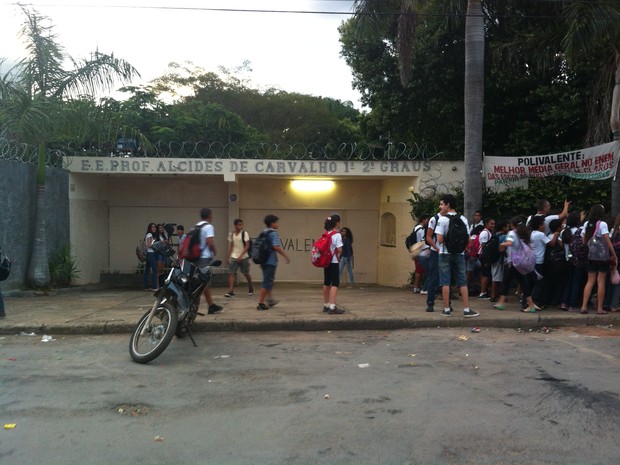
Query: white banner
[{"x": 594, "y": 163}]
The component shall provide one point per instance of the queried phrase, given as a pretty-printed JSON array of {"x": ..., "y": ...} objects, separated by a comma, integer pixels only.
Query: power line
[{"x": 317, "y": 12}]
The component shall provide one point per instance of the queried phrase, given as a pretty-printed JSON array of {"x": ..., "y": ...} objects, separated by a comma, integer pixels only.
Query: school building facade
[{"x": 112, "y": 200}]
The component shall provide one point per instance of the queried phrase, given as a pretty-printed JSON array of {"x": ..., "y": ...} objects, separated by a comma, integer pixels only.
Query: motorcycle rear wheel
[{"x": 159, "y": 333}]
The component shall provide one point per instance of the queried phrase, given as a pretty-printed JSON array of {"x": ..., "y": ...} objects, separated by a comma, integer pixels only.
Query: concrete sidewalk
[{"x": 96, "y": 310}]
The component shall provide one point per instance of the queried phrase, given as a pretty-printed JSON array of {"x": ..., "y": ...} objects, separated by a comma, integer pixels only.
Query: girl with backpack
[
  {"x": 331, "y": 274},
  {"x": 518, "y": 235},
  {"x": 576, "y": 274},
  {"x": 601, "y": 254}
]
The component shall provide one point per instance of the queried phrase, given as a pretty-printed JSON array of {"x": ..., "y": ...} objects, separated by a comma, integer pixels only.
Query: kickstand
[{"x": 189, "y": 333}]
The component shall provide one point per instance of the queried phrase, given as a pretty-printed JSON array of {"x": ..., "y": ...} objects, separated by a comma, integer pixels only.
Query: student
[
  {"x": 181, "y": 235},
  {"x": 331, "y": 274},
  {"x": 346, "y": 259},
  {"x": 150, "y": 284},
  {"x": 208, "y": 252},
  {"x": 238, "y": 258},
  {"x": 421, "y": 261},
  {"x": 519, "y": 233},
  {"x": 597, "y": 269},
  {"x": 269, "y": 267},
  {"x": 451, "y": 264},
  {"x": 485, "y": 270}
]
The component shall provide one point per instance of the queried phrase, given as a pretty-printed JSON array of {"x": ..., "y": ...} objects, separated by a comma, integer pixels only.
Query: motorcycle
[{"x": 175, "y": 307}]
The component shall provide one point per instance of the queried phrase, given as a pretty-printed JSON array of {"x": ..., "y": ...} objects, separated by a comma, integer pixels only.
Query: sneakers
[
  {"x": 325, "y": 308},
  {"x": 335, "y": 311},
  {"x": 429, "y": 308},
  {"x": 272, "y": 302},
  {"x": 262, "y": 307},
  {"x": 229, "y": 294},
  {"x": 484, "y": 296},
  {"x": 214, "y": 308},
  {"x": 417, "y": 290},
  {"x": 423, "y": 292},
  {"x": 250, "y": 291},
  {"x": 493, "y": 299},
  {"x": 470, "y": 314},
  {"x": 446, "y": 312}
]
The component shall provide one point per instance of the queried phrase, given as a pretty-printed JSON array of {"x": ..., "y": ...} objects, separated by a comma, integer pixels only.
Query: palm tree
[
  {"x": 33, "y": 108},
  {"x": 377, "y": 13}
]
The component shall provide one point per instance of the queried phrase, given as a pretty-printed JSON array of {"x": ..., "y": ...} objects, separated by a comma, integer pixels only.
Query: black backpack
[
  {"x": 413, "y": 237},
  {"x": 578, "y": 250},
  {"x": 457, "y": 236},
  {"x": 261, "y": 247},
  {"x": 490, "y": 251}
]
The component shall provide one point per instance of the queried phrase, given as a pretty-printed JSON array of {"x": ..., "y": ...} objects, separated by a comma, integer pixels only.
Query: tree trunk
[
  {"x": 474, "y": 107},
  {"x": 614, "y": 122},
  {"x": 38, "y": 267}
]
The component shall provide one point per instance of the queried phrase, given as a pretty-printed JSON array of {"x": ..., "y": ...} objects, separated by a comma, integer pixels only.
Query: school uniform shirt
[
  {"x": 484, "y": 237},
  {"x": 442, "y": 228},
  {"x": 419, "y": 236},
  {"x": 548, "y": 220},
  {"x": 432, "y": 225},
  {"x": 146, "y": 241},
  {"x": 336, "y": 242},
  {"x": 538, "y": 243},
  {"x": 206, "y": 232},
  {"x": 600, "y": 231}
]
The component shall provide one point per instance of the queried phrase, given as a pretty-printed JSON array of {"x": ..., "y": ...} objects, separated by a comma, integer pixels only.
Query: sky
[{"x": 295, "y": 52}]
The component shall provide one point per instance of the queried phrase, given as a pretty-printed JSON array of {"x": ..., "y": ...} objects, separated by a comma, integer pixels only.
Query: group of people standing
[
  {"x": 575, "y": 257},
  {"x": 239, "y": 242}
]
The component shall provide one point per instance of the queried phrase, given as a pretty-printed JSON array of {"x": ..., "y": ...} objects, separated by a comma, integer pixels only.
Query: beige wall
[{"x": 110, "y": 213}]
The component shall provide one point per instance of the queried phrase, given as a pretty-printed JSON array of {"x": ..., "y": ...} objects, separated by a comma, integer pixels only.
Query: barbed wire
[{"x": 24, "y": 153}]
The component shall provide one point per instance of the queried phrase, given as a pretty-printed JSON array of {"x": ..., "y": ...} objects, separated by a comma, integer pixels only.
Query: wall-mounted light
[{"x": 312, "y": 185}]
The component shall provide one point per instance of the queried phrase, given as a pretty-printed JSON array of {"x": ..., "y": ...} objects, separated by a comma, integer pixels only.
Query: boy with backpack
[
  {"x": 207, "y": 252},
  {"x": 265, "y": 296},
  {"x": 452, "y": 238}
]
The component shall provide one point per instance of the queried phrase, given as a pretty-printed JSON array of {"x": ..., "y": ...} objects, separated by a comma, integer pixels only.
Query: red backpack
[
  {"x": 190, "y": 247},
  {"x": 321, "y": 250},
  {"x": 473, "y": 247}
]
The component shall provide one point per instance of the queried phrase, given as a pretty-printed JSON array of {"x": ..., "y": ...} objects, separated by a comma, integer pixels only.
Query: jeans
[
  {"x": 423, "y": 260},
  {"x": 348, "y": 262},
  {"x": 432, "y": 279},
  {"x": 151, "y": 264}
]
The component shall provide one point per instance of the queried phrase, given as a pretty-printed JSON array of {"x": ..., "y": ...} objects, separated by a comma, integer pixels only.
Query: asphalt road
[{"x": 432, "y": 396}]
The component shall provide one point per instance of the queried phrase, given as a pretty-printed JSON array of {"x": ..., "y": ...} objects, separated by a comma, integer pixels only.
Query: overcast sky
[{"x": 296, "y": 52}]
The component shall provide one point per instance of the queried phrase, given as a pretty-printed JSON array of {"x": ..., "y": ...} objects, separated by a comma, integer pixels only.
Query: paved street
[{"x": 419, "y": 396}]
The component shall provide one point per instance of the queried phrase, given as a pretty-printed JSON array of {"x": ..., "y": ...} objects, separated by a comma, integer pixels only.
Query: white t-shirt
[
  {"x": 205, "y": 232},
  {"x": 600, "y": 232},
  {"x": 442, "y": 228},
  {"x": 538, "y": 243},
  {"x": 336, "y": 242},
  {"x": 146, "y": 241},
  {"x": 432, "y": 225},
  {"x": 548, "y": 220},
  {"x": 420, "y": 231},
  {"x": 237, "y": 243},
  {"x": 484, "y": 237}
]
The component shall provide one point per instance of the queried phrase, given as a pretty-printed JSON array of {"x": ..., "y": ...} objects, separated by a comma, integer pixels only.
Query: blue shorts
[
  {"x": 269, "y": 274},
  {"x": 452, "y": 265}
]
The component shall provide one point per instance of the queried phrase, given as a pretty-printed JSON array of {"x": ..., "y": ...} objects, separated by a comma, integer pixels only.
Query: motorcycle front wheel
[{"x": 157, "y": 335}]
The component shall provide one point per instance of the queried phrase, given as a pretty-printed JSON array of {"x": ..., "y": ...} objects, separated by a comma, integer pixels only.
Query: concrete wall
[
  {"x": 110, "y": 212},
  {"x": 17, "y": 213}
]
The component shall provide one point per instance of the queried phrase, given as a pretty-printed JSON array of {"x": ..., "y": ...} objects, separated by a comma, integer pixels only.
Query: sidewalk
[{"x": 95, "y": 310}]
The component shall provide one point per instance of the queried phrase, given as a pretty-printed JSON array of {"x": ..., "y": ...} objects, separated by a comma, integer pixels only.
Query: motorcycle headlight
[{"x": 183, "y": 279}]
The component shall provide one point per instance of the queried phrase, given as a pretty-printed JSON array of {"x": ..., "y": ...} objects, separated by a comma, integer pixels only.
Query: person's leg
[
  {"x": 432, "y": 280},
  {"x": 350, "y": 270},
  {"x": 445, "y": 276},
  {"x": 587, "y": 290},
  {"x": 231, "y": 283},
  {"x": 601, "y": 277},
  {"x": 335, "y": 284}
]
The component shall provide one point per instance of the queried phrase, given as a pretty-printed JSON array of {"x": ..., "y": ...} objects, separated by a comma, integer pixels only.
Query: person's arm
[
  {"x": 244, "y": 234},
  {"x": 149, "y": 241},
  {"x": 429, "y": 238},
  {"x": 211, "y": 245},
  {"x": 564, "y": 213},
  {"x": 280, "y": 250}
]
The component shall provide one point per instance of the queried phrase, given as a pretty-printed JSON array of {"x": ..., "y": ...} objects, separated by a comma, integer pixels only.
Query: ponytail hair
[{"x": 331, "y": 222}]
